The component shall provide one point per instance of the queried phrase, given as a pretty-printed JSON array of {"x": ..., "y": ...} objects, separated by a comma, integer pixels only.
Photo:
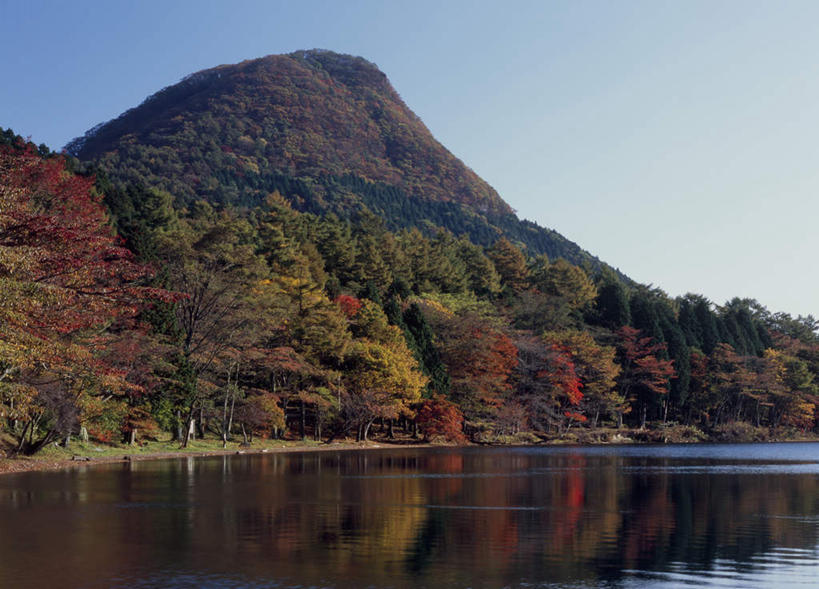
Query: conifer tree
[{"x": 510, "y": 264}]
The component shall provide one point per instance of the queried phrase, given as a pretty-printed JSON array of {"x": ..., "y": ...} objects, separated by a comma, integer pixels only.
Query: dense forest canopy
[{"x": 301, "y": 286}]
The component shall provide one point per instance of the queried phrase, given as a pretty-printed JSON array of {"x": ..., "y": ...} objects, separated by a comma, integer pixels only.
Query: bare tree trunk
[
  {"x": 224, "y": 412},
  {"x": 188, "y": 430},
  {"x": 200, "y": 424},
  {"x": 22, "y": 443},
  {"x": 31, "y": 431},
  {"x": 303, "y": 421},
  {"x": 133, "y": 435},
  {"x": 232, "y": 406},
  {"x": 391, "y": 431},
  {"x": 227, "y": 416}
]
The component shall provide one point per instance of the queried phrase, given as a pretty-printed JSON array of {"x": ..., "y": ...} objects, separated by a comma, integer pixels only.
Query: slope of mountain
[{"x": 326, "y": 130}]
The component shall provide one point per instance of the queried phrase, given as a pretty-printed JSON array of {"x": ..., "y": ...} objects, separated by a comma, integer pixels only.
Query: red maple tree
[{"x": 66, "y": 283}]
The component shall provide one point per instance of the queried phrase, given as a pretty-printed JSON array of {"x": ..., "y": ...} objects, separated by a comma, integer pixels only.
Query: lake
[{"x": 710, "y": 515}]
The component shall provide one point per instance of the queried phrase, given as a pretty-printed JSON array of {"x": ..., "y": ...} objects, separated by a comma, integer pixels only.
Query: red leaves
[
  {"x": 58, "y": 245},
  {"x": 564, "y": 375},
  {"x": 438, "y": 417},
  {"x": 547, "y": 382},
  {"x": 641, "y": 366},
  {"x": 575, "y": 416},
  {"x": 479, "y": 359},
  {"x": 645, "y": 376},
  {"x": 560, "y": 371},
  {"x": 350, "y": 306},
  {"x": 487, "y": 364},
  {"x": 633, "y": 346},
  {"x": 654, "y": 373},
  {"x": 65, "y": 281}
]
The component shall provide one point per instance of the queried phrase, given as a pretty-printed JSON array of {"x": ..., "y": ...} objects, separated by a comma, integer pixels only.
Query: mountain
[{"x": 326, "y": 130}]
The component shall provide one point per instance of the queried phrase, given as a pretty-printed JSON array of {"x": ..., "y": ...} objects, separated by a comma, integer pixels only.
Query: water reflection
[{"x": 618, "y": 517}]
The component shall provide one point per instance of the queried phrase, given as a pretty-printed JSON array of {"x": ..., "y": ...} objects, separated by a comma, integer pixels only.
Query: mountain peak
[
  {"x": 347, "y": 69},
  {"x": 306, "y": 113},
  {"x": 325, "y": 129}
]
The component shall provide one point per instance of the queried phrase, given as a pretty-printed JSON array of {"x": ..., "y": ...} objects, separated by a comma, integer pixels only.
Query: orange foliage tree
[
  {"x": 439, "y": 418},
  {"x": 644, "y": 377},
  {"x": 480, "y": 360}
]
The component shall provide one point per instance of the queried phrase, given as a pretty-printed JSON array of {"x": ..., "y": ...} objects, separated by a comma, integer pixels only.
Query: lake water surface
[{"x": 618, "y": 516}]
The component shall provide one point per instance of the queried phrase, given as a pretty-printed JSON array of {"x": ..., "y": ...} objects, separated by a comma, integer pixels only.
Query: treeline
[
  {"x": 345, "y": 195},
  {"x": 267, "y": 321}
]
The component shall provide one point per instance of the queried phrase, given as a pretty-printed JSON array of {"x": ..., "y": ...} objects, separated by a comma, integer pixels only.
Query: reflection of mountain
[{"x": 461, "y": 517}]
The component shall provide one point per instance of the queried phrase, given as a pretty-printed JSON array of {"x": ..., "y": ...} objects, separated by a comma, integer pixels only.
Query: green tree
[
  {"x": 611, "y": 307},
  {"x": 426, "y": 351},
  {"x": 212, "y": 262},
  {"x": 510, "y": 264},
  {"x": 481, "y": 276},
  {"x": 562, "y": 279}
]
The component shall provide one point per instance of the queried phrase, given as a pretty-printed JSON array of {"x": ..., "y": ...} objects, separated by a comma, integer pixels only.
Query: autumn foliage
[
  {"x": 439, "y": 418},
  {"x": 66, "y": 287},
  {"x": 269, "y": 322},
  {"x": 645, "y": 376},
  {"x": 57, "y": 243},
  {"x": 349, "y": 305}
]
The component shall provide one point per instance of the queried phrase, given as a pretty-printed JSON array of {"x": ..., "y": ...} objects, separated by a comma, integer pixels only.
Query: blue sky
[{"x": 675, "y": 140}]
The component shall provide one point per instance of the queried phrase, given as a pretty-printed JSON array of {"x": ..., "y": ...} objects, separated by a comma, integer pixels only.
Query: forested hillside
[
  {"x": 216, "y": 320},
  {"x": 325, "y": 130}
]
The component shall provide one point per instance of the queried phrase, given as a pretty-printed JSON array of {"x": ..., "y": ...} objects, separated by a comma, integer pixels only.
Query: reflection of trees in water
[
  {"x": 736, "y": 517},
  {"x": 587, "y": 519},
  {"x": 364, "y": 518}
]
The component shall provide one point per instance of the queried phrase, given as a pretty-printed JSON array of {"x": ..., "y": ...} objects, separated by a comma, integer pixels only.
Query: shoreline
[
  {"x": 10, "y": 466},
  {"x": 116, "y": 455}
]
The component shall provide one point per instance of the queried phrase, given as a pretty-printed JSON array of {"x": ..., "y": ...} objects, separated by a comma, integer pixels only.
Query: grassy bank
[{"x": 80, "y": 454}]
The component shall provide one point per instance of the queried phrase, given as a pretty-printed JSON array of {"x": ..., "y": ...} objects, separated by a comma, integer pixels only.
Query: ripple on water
[{"x": 782, "y": 567}]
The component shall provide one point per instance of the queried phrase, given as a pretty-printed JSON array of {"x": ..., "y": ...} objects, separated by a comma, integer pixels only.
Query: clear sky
[{"x": 678, "y": 141}]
